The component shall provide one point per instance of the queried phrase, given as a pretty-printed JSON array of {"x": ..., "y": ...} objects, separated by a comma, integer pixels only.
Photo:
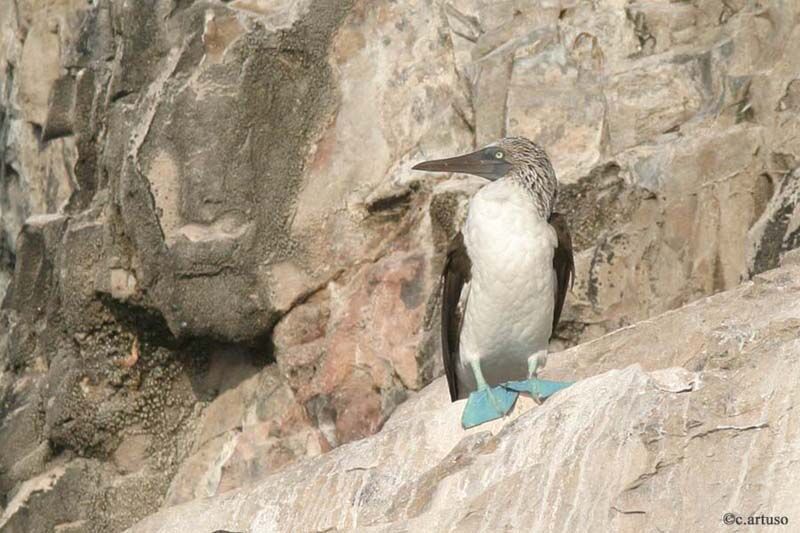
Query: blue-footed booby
[{"x": 505, "y": 279}]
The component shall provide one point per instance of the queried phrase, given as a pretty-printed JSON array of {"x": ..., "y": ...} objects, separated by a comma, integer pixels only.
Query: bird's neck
[
  {"x": 540, "y": 188},
  {"x": 506, "y": 195}
]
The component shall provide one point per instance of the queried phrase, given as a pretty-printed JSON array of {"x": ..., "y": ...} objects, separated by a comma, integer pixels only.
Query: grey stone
[{"x": 61, "y": 109}]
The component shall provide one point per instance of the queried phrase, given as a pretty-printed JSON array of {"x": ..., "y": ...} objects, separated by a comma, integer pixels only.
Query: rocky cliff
[
  {"x": 214, "y": 257},
  {"x": 678, "y": 421}
]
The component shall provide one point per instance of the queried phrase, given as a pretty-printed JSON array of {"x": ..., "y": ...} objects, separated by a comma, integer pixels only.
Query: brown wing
[
  {"x": 456, "y": 274},
  {"x": 563, "y": 264}
]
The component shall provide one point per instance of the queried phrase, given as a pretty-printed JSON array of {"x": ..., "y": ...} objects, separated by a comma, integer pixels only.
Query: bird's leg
[
  {"x": 483, "y": 386},
  {"x": 539, "y": 389},
  {"x": 486, "y": 403},
  {"x": 534, "y": 362}
]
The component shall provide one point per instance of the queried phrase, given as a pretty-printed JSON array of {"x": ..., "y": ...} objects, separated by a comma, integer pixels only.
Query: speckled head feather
[
  {"x": 513, "y": 158},
  {"x": 531, "y": 168}
]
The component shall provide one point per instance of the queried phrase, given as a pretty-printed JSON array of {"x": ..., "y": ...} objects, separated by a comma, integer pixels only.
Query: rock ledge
[{"x": 698, "y": 401}]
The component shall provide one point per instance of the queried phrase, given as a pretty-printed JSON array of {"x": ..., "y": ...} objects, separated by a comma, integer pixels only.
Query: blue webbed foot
[
  {"x": 487, "y": 404},
  {"x": 539, "y": 389}
]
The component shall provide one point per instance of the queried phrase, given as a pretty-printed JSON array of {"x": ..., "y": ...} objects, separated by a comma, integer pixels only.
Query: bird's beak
[{"x": 482, "y": 163}]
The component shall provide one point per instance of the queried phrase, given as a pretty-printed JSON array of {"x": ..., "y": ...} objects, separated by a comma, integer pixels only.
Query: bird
[{"x": 504, "y": 280}]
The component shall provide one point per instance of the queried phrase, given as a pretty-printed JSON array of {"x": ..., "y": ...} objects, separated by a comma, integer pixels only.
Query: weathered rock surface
[
  {"x": 677, "y": 420},
  {"x": 222, "y": 262}
]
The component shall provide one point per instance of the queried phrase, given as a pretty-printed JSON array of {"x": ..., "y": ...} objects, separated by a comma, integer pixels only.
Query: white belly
[{"x": 509, "y": 311}]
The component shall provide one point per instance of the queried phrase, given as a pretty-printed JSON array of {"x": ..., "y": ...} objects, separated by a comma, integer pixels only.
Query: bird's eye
[{"x": 498, "y": 155}]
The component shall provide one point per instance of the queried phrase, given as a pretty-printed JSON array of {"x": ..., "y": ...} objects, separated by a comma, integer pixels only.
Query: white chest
[{"x": 509, "y": 312}]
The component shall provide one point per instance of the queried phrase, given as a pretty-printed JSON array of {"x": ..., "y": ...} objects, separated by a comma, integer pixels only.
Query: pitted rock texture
[
  {"x": 696, "y": 406},
  {"x": 216, "y": 259}
]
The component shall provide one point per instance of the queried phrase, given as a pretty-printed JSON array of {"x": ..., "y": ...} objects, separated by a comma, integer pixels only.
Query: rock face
[
  {"x": 677, "y": 420},
  {"x": 216, "y": 259}
]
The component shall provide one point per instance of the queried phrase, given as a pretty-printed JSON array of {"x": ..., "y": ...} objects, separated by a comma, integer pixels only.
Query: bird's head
[
  {"x": 514, "y": 158},
  {"x": 508, "y": 157}
]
